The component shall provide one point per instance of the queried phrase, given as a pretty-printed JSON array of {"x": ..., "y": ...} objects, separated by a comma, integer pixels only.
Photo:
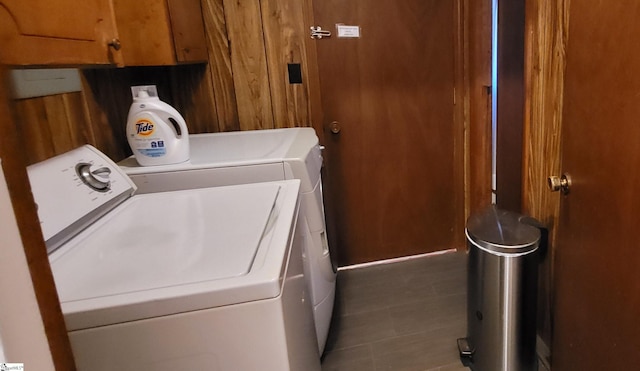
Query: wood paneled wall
[
  {"x": 249, "y": 63},
  {"x": 245, "y": 85},
  {"x": 547, "y": 25},
  {"x": 58, "y": 123},
  {"x": 225, "y": 102},
  {"x": 52, "y": 125}
]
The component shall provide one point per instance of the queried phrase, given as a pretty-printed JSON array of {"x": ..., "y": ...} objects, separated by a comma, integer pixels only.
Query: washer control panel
[{"x": 73, "y": 189}]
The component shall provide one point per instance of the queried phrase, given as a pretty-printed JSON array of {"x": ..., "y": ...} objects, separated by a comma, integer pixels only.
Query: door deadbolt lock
[
  {"x": 559, "y": 183},
  {"x": 335, "y": 127}
]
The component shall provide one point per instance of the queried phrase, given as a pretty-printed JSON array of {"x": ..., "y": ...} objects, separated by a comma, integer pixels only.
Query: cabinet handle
[{"x": 115, "y": 44}]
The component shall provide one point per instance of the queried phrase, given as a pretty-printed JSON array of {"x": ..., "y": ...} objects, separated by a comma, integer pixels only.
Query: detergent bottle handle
[{"x": 176, "y": 127}]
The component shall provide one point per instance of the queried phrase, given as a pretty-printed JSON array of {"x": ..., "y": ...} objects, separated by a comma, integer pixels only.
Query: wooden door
[
  {"x": 393, "y": 179},
  {"x": 597, "y": 279}
]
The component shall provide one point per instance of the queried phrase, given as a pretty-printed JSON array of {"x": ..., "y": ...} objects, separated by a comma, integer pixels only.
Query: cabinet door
[
  {"x": 61, "y": 32},
  {"x": 187, "y": 26},
  {"x": 157, "y": 32}
]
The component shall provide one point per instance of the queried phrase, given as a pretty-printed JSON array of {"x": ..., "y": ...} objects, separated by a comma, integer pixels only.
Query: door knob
[
  {"x": 335, "y": 127},
  {"x": 559, "y": 183}
]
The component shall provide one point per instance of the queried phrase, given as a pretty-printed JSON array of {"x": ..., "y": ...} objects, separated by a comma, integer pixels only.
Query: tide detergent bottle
[{"x": 156, "y": 132}]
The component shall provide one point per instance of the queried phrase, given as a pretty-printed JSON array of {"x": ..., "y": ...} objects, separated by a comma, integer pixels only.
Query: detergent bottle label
[{"x": 146, "y": 139}]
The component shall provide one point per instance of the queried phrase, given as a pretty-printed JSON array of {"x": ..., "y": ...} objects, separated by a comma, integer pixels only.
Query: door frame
[
  {"x": 474, "y": 47},
  {"x": 26, "y": 216},
  {"x": 546, "y": 38}
]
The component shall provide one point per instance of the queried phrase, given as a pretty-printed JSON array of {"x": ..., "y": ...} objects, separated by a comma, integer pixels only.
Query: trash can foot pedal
[{"x": 464, "y": 348}]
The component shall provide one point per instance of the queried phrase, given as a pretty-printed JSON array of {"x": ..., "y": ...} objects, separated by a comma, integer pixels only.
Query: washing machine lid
[{"x": 172, "y": 252}]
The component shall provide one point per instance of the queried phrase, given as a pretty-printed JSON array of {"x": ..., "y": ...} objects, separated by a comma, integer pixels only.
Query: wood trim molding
[
  {"x": 478, "y": 122},
  {"x": 546, "y": 34},
  {"x": 461, "y": 116},
  {"x": 313, "y": 76},
  {"x": 510, "y": 104},
  {"x": 547, "y": 31}
]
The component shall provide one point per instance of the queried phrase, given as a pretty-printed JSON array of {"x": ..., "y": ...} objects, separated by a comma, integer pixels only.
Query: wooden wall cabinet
[
  {"x": 98, "y": 32},
  {"x": 161, "y": 32},
  {"x": 60, "y": 32}
]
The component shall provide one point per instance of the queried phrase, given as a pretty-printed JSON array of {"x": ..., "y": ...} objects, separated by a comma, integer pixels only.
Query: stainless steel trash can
[{"x": 501, "y": 292}]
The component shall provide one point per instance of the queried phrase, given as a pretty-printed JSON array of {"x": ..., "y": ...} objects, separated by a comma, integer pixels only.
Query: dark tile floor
[{"x": 399, "y": 316}]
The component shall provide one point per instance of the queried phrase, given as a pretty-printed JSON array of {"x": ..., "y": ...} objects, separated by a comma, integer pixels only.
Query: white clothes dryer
[
  {"x": 203, "y": 279},
  {"x": 219, "y": 159}
]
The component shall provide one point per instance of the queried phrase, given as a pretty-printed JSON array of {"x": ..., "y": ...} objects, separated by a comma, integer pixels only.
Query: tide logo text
[{"x": 144, "y": 127}]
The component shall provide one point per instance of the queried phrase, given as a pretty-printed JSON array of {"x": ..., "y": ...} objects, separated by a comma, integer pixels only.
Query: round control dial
[{"x": 97, "y": 179}]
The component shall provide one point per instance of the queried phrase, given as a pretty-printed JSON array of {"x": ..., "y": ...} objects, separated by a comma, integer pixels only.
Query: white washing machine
[
  {"x": 219, "y": 159},
  {"x": 202, "y": 279}
]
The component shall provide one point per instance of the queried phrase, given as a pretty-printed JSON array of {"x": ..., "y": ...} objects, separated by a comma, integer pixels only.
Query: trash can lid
[{"x": 502, "y": 231}]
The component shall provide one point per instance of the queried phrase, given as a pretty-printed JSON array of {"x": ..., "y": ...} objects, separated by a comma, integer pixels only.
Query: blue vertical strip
[{"x": 494, "y": 95}]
